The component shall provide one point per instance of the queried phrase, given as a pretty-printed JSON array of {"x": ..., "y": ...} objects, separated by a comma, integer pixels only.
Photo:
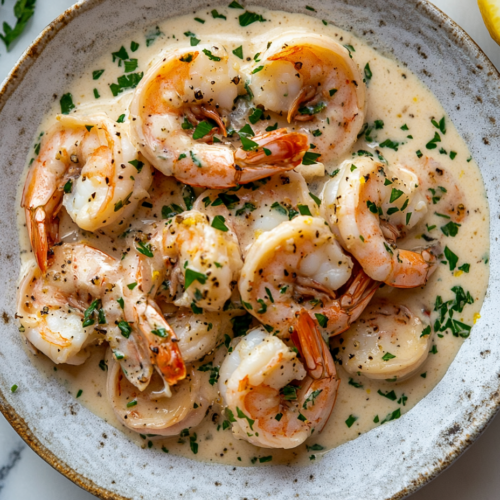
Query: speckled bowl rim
[{"x": 9, "y": 85}]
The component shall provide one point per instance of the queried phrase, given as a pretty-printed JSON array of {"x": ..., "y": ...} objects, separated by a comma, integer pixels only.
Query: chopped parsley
[
  {"x": 350, "y": 421},
  {"x": 191, "y": 276},
  {"x": 387, "y": 356},
  {"x": 209, "y": 54},
  {"x": 310, "y": 158},
  {"x": 66, "y": 103},
  {"x": 248, "y": 18},
  {"x": 238, "y": 51},
  {"x": 368, "y": 72},
  {"x": 218, "y": 223}
]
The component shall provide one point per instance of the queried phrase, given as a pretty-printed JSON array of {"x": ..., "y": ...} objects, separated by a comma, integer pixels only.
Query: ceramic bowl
[{"x": 390, "y": 461}]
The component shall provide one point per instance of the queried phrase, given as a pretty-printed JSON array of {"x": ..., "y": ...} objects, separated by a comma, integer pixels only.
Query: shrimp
[
  {"x": 260, "y": 207},
  {"x": 388, "y": 341},
  {"x": 88, "y": 165},
  {"x": 315, "y": 83},
  {"x": 366, "y": 193},
  {"x": 254, "y": 383},
  {"x": 52, "y": 306},
  {"x": 439, "y": 187},
  {"x": 179, "y": 106},
  {"x": 297, "y": 265},
  {"x": 202, "y": 259},
  {"x": 143, "y": 412}
]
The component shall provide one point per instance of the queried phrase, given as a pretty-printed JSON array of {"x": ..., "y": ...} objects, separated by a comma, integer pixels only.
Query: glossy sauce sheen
[{"x": 396, "y": 97}]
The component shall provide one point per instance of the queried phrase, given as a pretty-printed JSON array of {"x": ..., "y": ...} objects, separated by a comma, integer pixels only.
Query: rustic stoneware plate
[{"x": 391, "y": 461}]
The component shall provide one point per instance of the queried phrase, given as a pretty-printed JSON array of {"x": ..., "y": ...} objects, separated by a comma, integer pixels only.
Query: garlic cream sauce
[{"x": 403, "y": 119}]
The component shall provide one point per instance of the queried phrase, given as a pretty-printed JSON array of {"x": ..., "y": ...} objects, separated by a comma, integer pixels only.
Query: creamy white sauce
[{"x": 396, "y": 97}]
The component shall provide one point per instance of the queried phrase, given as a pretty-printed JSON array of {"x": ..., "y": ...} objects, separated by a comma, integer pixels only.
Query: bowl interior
[{"x": 388, "y": 462}]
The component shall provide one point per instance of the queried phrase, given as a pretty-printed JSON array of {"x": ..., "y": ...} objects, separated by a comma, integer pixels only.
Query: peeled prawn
[
  {"x": 365, "y": 194},
  {"x": 388, "y": 341},
  {"x": 88, "y": 165},
  {"x": 182, "y": 102},
  {"x": 51, "y": 307},
  {"x": 143, "y": 412},
  {"x": 255, "y": 383},
  {"x": 300, "y": 265},
  {"x": 314, "y": 82}
]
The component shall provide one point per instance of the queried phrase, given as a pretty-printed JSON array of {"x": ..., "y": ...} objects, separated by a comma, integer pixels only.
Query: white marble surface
[{"x": 23, "y": 475}]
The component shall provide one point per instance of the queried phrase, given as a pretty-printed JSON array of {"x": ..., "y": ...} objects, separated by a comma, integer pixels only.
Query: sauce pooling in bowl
[{"x": 415, "y": 333}]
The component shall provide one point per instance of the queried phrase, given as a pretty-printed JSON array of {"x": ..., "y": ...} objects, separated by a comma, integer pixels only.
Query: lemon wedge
[{"x": 490, "y": 10}]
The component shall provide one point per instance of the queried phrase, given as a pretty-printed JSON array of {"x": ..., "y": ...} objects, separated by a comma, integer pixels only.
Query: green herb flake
[
  {"x": 255, "y": 115},
  {"x": 248, "y": 18},
  {"x": 209, "y": 54},
  {"x": 79, "y": 393},
  {"x": 392, "y": 416},
  {"x": 426, "y": 331},
  {"x": 238, "y": 51},
  {"x": 355, "y": 384},
  {"x": 315, "y": 198},
  {"x": 350, "y": 49},
  {"x": 350, "y": 421},
  {"x": 441, "y": 125},
  {"x": 134, "y": 46},
  {"x": 130, "y": 65},
  {"x": 321, "y": 319},
  {"x": 304, "y": 210},
  {"x": 311, "y": 398},
  {"x": 312, "y": 110},
  {"x": 97, "y": 74},
  {"x": 450, "y": 229},
  {"x": 387, "y": 356},
  {"x": 129, "y": 81},
  {"x": 66, "y": 103},
  {"x": 125, "y": 328},
  {"x": 395, "y": 194},
  {"x": 465, "y": 268},
  {"x": 218, "y": 223},
  {"x": 216, "y": 15},
  {"x": 145, "y": 249},
  {"x": 389, "y": 144},
  {"x": 432, "y": 143},
  {"x": 191, "y": 276},
  {"x": 235, "y": 5},
  {"x": 310, "y": 158},
  {"x": 452, "y": 258},
  {"x": 202, "y": 129},
  {"x": 132, "y": 403},
  {"x": 152, "y": 36},
  {"x": 389, "y": 395},
  {"x": 248, "y": 419},
  {"x": 368, "y": 72},
  {"x": 14, "y": 388}
]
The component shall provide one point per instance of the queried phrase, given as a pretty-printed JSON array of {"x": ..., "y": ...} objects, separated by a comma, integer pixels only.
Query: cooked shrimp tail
[
  {"x": 321, "y": 385},
  {"x": 413, "y": 269},
  {"x": 259, "y": 383},
  {"x": 162, "y": 343},
  {"x": 277, "y": 151}
]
